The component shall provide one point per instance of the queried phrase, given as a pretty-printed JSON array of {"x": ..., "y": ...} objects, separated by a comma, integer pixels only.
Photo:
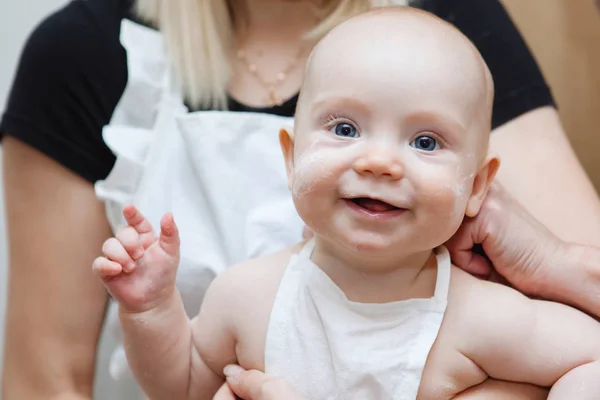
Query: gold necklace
[{"x": 272, "y": 85}]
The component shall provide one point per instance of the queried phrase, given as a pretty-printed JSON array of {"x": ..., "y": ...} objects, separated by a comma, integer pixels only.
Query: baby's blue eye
[
  {"x": 345, "y": 130},
  {"x": 425, "y": 143}
]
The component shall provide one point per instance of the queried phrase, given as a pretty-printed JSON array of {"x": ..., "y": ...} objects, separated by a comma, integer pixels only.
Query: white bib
[{"x": 328, "y": 347}]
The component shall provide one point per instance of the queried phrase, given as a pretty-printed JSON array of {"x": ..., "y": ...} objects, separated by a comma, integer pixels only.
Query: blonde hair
[{"x": 199, "y": 39}]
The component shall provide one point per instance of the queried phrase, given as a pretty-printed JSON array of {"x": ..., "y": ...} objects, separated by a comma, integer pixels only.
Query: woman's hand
[
  {"x": 254, "y": 385},
  {"x": 518, "y": 248},
  {"x": 521, "y": 251}
]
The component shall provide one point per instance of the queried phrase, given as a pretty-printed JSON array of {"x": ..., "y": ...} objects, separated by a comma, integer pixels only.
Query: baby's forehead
[
  {"x": 403, "y": 49},
  {"x": 396, "y": 30}
]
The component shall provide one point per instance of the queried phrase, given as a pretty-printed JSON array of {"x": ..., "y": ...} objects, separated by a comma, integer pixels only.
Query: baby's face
[{"x": 390, "y": 134}]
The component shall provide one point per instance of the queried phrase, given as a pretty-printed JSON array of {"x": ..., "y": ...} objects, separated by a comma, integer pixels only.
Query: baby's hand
[{"x": 139, "y": 267}]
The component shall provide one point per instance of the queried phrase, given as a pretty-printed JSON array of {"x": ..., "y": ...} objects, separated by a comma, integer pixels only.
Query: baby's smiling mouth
[{"x": 373, "y": 205}]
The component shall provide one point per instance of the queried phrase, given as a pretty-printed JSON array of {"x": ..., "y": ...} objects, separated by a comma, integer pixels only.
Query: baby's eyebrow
[
  {"x": 444, "y": 121},
  {"x": 336, "y": 101}
]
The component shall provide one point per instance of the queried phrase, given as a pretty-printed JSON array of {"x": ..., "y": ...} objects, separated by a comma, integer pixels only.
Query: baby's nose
[{"x": 379, "y": 162}]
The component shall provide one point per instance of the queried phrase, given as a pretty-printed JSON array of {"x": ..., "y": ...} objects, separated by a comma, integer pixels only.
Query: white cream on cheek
[
  {"x": 461, "y": 179},
  {"x": 462, "y": 187},
  {"x": 460, "y": 192},
  {"x": 315, "y": 164},
  {"x": 455, "y": 186},
  {"x": 309, "y": 170}
]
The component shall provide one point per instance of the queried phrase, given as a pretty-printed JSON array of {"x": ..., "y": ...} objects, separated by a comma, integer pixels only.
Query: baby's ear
[
  {"x": 481, "y": 185},
  {"x": 286, "y": 140}
]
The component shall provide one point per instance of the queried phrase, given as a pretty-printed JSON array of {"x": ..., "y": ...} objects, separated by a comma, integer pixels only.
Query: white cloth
[
  {"x": 222, "y": 175},
  {"x": 329, "y": 347}
]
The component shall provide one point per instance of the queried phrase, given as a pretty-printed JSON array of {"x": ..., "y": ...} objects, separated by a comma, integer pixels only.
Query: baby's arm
[
  {"x": 160, "y": 349},
  {"x": 492, "y": 389},
  {"x": 513, "y": 338},
  {"x": 213, "y": 337},
  {"x": 139, "y": 270}
]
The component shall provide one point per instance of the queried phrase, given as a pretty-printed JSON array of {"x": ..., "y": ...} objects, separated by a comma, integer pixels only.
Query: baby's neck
[{"x": 367, "y": 277}]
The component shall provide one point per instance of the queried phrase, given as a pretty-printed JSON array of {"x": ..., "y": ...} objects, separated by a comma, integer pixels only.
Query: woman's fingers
[
  {"x": 462, "y": 250},
  {"x": 225, "y": 393},
  {"x": 113, "y": 250},
  {"x": 256, "y": 385}
]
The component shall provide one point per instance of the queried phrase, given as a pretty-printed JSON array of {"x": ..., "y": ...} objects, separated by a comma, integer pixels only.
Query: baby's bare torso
[{"x": 447, "y": 371}]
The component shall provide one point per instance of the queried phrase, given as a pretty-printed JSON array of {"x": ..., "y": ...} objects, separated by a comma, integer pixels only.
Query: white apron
[
  {"x": 221, "y": 173},
  {"x": 348, "y": 350}
]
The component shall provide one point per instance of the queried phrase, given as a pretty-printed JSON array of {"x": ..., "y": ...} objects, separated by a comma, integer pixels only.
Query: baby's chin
[
  {"x": 381, "y": 245},
  {"x": 373, "y": 243}
]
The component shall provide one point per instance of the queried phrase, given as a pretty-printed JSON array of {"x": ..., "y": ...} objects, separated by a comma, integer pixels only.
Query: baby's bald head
[
  {"x": 404, "y": 51},
  {"x": 396, "y": 104}
]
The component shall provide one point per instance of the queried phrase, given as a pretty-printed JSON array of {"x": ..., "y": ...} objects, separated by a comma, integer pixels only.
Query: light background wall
[{"x": 564, "y": 35}]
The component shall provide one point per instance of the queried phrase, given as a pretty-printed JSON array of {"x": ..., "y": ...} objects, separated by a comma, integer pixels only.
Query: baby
[{"x": 389, "y": 152}]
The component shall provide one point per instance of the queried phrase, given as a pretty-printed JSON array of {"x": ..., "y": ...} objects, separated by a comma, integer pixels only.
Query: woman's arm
[
  {"x": 573, "y": 277},
  {"x": 540, "y": 169},
  {"x": 70, "y": 76},
  {"x": 56, "y": 227},
  {"x": 525, "y": 253}
]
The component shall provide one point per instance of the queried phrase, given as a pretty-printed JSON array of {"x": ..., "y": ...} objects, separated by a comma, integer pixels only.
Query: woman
[{"x": 93, "y": 65}]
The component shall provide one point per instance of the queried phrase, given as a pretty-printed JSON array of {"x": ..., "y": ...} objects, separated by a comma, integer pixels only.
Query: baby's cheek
[
  {"x": 447, "y": 203},
  {"x": 311, "y": 170},
  {"x": 310, "y": 177},
  {"x": 313, "y": 207},
  {"x": 453, "y": 190},
  {"x": 305, "y": 183}
]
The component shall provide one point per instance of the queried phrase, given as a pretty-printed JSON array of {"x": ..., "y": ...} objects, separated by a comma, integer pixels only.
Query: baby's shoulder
[
  {"x": 256, "y": 278},
  {"x": 473, "y": 301},
  {"x": 464, "y": 286},
  {"x": 268, "y": 267}
]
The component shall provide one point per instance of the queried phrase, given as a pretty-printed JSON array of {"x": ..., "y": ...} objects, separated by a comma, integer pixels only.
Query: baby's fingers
[
  {"x": 104, "y": 268},
  {"x": 131, "y": 241},
  {"x": 114, "y": 251},
  {"x": 169, "y": 235},
  {"x": 136, "y": 219},
  {"x": 141, "y": 224}
]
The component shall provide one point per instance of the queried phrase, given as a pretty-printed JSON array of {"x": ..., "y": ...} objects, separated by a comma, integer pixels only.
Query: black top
[{"x": 73, "y": 71}]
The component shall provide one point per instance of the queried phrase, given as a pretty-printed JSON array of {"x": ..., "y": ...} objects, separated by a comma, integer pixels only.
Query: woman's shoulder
[
  {"x": 70, "y": 77},
  {"x": 78, "y": 36},
  {"x": 100, "y": 18},
  {"x": 519, "y": 84}
]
